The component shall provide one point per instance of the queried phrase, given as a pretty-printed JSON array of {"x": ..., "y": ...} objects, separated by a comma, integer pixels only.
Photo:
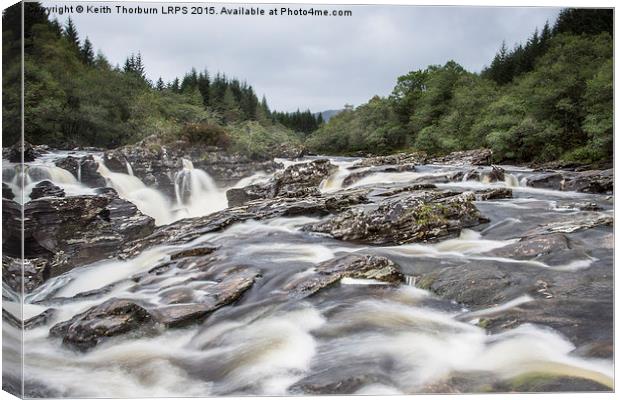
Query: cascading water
[
  {"x": 196, "y": 192},
  {"x": 150, "y": 201}
]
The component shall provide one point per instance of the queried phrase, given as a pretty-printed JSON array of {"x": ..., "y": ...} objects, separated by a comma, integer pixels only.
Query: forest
[
  {"x": 550, "y": 98},
  {"x": 76, "y": 98}
]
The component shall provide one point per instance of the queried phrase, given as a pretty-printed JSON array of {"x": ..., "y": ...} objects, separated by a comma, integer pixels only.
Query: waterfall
[
  {"x": 129, "y": 169},
  {"x": 511, "y": 180},
  {"x": 196, "y": 192},
  {"x": 79, "y": 171},
  {"x": 334, "y": 182},
  {"x": 26, "y": 177},
  {"x": 150, "y": 201}
]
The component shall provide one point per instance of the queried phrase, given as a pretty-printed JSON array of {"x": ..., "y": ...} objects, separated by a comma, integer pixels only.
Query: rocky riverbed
[{"x": 157, "y": 271}]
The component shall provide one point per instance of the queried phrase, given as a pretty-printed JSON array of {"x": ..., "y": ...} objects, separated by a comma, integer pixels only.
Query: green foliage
[
  {"x": 206, "y": 133},
  {"x": 372, "y": 127},
  {"x": 302, "y": 122},
  {"x": 74, "y": 98},
  {"x": 259, "y": 141},
  {"x": 556, "y": 102}
]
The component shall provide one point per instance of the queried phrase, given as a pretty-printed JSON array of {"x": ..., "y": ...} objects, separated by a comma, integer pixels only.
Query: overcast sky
[{"x": 318, "y": 63}]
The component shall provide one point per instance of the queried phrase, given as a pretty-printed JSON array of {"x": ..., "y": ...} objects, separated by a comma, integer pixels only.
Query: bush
[{"x": 206, "y": 133}]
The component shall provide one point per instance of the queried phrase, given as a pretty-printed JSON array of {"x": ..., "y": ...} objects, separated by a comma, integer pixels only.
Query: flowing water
[{"x": 394, "y": 339}]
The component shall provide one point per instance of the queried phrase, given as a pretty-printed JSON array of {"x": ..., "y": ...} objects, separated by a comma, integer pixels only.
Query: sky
[{"x": 306, "y": 62}]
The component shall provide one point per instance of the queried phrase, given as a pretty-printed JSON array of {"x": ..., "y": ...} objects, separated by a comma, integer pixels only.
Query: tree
[
  {"x": 86, "y": 52},
  {"x": 71, "y": 34},
  {"x": 160, "y": 84}
]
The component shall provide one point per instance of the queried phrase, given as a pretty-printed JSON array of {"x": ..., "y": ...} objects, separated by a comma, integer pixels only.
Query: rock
[
  {"x": 461, "y": 176},
  {"x": 30, "y": 152},
  {"x": 352, "y": 266},
  {"x": 425, "y": 215},
  {"x": 72, "y": 231},
  {"x": 496, "y": 174},
  {"x": 590, "y": 182},
  {"x": 580, "y": 221},
  {"x": 239, "y": 196},
  {"x": 84, "y": 169},
  {"x": 545, "y": 180},
  {"x": 111, "y": 318},
  {"x": 46, "y": 189},
  {"x": 410, "y": 159},
  {"x": 7, "y": 192},
  {"x": 467, "y": 157},
  {"x": 297, "y": 180},
  {"x": 533, "y": 247},
  {"x": 493, "y": 194},
  {"x": 231, "y": 284},
  {"x": 35, "y": 272},
  {"x": 356, "y": 176},
  {"x": 40, "y": 320}
]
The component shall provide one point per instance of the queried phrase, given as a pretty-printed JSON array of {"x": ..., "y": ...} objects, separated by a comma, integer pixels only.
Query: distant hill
[{"x": 327, "y": 114}]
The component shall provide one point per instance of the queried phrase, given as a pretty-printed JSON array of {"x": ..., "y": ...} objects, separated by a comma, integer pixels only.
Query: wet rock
[
  {"x": 31, "y": 153},
  {"x": 46, "y": 189},
  {"x": 418, "y": 217},
  {"x": 496, "y": 174},
  {"x": 590, "y": 182},
  {"x": 408, "y": 160},
  {"x": 297, "y": 180},
  {"x": 239, "y": 196},
  {"x": 7, "y": 192},
  {"x": 576, "y": 222},
  {"x": 545, "y": 180},
  {"x": 111, "y": 318},
  {"x": 229, "y": 286},
  {"x": 353, "y": 266},
  {"x": 467, "y": 157},
  {"x": 73, "y": 231},
  {"x": 335, "y": 381},
  {"x": 40, "y": 320},
  {"x": 494, "y": 194},
  {"x": 356, "y": 176},
  {"x": 531, "y": 247},
  {"x": 84, "y": 169},
  {"x": 35, "y": 272},
  {"x": 471, "y": 175}
]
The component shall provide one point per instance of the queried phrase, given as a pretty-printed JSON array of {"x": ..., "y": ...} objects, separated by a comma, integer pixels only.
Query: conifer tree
[
  {"x": 71, "y": 33},
  {"x": 160, "y": 84},
  {"x": 86, "y": 52}
]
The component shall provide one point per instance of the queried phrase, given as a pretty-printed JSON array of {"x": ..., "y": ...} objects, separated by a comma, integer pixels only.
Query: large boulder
[
  {"x": 30, "y": 152},
  {"x": 46, "y": 189},
  {"x": 297, "y": 180},
  {"x": 72, "y": 231},
  {"x": 84, "y": 169},
  {"x": 421, "y": 216},
  {"x": 594, "y": 181},
  {"x": 111, "y": 318}
]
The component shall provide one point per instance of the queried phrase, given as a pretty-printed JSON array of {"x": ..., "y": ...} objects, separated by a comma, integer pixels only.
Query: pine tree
[
  {"x": 138, "y": 67},
  {"x": 160, "y": 84},
  {"x": 174, "y": 86},
  {"x": 86, "y": 52},
  {"x": 71, "y": 33},
  {"x": 204, "y": 86}
]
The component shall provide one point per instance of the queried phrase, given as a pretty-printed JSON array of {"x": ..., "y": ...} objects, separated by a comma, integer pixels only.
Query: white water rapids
[{"x": 405, "y": 338}]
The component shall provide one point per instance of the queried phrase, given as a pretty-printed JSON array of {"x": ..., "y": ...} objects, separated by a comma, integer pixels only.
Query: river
[{"x": 360, "y": 336}]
